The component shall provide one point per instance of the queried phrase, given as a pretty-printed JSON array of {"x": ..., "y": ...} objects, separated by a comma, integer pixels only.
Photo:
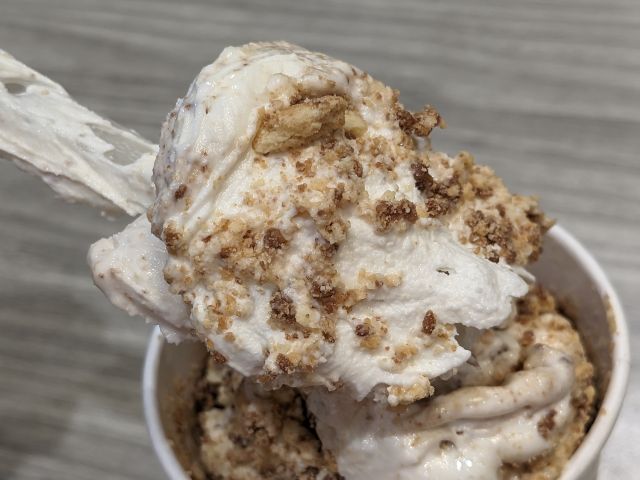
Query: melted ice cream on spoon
[{"x": 83, "y": 157}]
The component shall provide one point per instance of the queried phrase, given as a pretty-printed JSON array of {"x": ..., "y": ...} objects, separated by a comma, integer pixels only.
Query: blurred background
[{"x": 545, "y": 92}]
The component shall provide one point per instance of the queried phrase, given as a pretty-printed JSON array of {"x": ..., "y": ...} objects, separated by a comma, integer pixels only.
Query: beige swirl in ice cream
[
  {"x": 518, "y": 412},
  {"x": 316, "y": 237}
]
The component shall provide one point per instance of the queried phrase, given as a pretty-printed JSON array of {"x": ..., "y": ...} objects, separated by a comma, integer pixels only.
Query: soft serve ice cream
[
  {"x": 307, "y": 233},
  {"x": 315, "y": 236},
  {"x": 518, "y": 411}
]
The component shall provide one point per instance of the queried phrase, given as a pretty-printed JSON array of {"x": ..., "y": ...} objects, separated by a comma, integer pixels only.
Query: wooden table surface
[{"x": 546, "y": 92}]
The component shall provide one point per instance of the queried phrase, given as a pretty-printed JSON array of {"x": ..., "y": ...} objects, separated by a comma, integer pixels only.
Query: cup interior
[{"x": 565, "y": 268}]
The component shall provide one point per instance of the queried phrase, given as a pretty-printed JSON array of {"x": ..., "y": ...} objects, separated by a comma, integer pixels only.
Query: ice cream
[
  {"x": 316, "y": 237},
  {"x": 250, "y": 433},
  {"x": 356, "y": 284},
  {"x": 518, "y": 412},
  {"x": 529, "y": 389},
  {"x": 82, "y": 156}
]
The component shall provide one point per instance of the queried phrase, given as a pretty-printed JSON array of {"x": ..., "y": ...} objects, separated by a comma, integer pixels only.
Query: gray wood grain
[{"x": 546, "y": 92}]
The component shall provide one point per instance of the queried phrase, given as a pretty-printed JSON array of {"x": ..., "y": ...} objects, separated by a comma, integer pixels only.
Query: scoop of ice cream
[
  {"x": 316, "y": 237},
  {"x": 523, "y": 405}
]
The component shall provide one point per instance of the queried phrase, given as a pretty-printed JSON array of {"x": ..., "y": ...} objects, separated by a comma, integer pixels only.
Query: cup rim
[{"x": 580, "y": 461}]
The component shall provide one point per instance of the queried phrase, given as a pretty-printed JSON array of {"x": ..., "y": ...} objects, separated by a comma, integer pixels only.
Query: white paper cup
[{"x": 565, "y": 268}]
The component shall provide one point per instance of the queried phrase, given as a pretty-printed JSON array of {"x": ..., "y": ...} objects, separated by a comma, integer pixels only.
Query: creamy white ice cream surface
[
  {"x": 470, "y": 432},
  {"x": 317, "y": 238}
]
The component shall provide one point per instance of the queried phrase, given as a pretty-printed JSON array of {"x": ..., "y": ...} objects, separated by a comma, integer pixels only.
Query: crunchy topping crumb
[
  {"x": 371, "y": 332},
  {"x": 172, "y": 238},
  {"x": 390, "y": 213},
  {"x": 322, "y": 290},
  {"x": 429, "y": 322},
  {"x": 401, "y": 395},
  {"x": 285, "y": 365},
  {"x": 305, "y": 167},
  {"x": 274, "y": 239},
  {"x": 335, "y": 230},
  {"x": 403, "y": 353},
  {"x": 421, "y": 175},
  {"x": 357, "y": 168},
  {"x": 363, "y": 330},
  {"x": 226, "y": 252},
  {"x": 489, "y": 230},
  {"x": 419, "y": 124},
  {"x": 547, "y": 424},
  {"x": 442, "y": 197},
  {"x": 372, "y": 281},
  {"x": 300, "y": 124},
  {"x": 180, "y": 191},
  {"x": 326, "y": 249},
  {"x": 283, "y": 311},
  {"x": 218, "y": 357},
  {"x": 426, "y": 120},
  {"x": 354, "y": 125},
  {"x": 405, "y": 119}
]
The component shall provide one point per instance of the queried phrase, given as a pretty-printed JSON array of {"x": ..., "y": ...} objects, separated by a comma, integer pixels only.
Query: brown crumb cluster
[
  {"x": 474, "y": 200},
  {"x": 442, "y": 197},
  {"x": 363, "y": 330},
  {"x": 490, "y": 230},
  {"x": 283, "y": 311},
  {"x": 325, "y": 293},
  {"x": 274, "y": 239},
  {"x": 403, "y": 353},
  {"x": 371, "y": 332},
  {"x": 429, "y": 322},
  {"x": 172, "y": 239},
  {"x": 420, "y": 123},
  {"x": 390, "y": 213},
  {"x": 527, "y": 339},
  {"x": 248, "y": 433},
  {"x": 285, "y": 365},
  {"x": 422, "y": 177},
  {"x": 218, "y": 357}
]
